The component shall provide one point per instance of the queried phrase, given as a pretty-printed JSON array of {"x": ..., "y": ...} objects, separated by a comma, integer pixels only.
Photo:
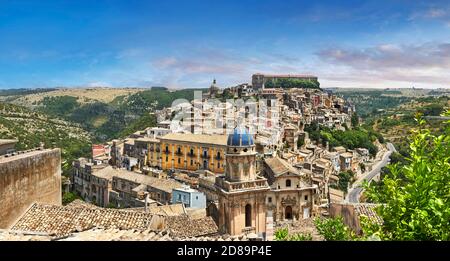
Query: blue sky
[{"x": 182, "y": 44}]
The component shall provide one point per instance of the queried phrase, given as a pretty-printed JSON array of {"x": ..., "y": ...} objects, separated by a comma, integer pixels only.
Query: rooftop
[
  {"x": 214, "y": 139},
  {"x": 107, "y": 172},
  {"x": 146, "y": 139},
  {"x": 63, "y": 220},
  {"x": 162, "y": 184},
  {"x": 280, "y": 166},
  {"x": 114, "y": 234},
  {"x": 347, "y": 155},
  {"x": 84, "y": 222}
]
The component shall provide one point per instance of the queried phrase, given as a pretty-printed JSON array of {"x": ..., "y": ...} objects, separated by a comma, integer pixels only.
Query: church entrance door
[{"x": 288, "y": 212}]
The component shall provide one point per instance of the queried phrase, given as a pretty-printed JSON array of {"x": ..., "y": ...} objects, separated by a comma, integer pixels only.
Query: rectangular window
[
  {"x": 192, "y": 162},
  {"x": 306, "y": 197},
  {"x": 179, "y": 160},
  {"x": 269, "y": 199}
]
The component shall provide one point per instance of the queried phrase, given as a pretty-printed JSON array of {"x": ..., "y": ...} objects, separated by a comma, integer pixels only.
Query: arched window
[
  {"x": 248, "y": 215},
  {"x": 288, "y": 183}
]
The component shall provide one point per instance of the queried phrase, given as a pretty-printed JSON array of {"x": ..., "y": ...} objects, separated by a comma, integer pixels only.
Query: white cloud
[{"x": 426, "y": 64}]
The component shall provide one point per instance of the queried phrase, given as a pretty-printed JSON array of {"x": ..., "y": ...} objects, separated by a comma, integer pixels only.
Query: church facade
[{"x": 241, "y": 191}]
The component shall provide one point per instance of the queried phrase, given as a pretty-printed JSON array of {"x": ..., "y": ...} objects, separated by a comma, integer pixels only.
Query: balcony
[
  {"x": 248, "y": 230},
  {"x": 241, "y": 185},
  {"x": 192, "y": 155},
  {"x": 167, "y": 151},
  {"x": 205, "y": 156},
  {"x": 218, "y": 157},
  {"x": 179, "y": 153}
]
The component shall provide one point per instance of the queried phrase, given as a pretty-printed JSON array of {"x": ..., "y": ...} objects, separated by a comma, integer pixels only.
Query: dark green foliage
[
  {"x": 282, "y": 234},
  {"x": 147, "y": 120},
  {"x": 226, "y": 95},
  {"x": 433, "y": 109},
  {"x": 415, "y": 194},
  {"x": 369, "y": 102},
  {"x": 59, "y": 106},
  {"x": 300, "y": 141},
  {"x": 355, "y": 120},
  {"x": 30, "y": 128},
  {"x": 345, "y": 179},
  {"x": 292, "y": 83},
  {"x": 124, "y": 115},
  {"x": 69, "y": 197},
  {"x": 111, "y": 205},
  {"x": 350, "y": 139},
  {"x": 334, "y": 229},
  {"x": 157, "y": 98},
  {"x": 13, "y": 92},
  {"x": 362, "y": 167}
]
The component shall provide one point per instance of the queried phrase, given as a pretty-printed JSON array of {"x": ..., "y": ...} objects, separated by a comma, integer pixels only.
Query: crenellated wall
[{"x": 26, "y": 178}]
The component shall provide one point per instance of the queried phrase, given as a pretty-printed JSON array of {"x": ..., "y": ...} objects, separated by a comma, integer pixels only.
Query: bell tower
[{"x": 242, "y": 191}]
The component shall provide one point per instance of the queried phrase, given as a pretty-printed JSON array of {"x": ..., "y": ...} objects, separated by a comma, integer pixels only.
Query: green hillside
[
  {"x": 30, "y": 128},
  {"x": 120, "y": 117}
]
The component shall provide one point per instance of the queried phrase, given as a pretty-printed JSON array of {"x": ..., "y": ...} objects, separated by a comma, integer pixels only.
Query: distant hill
[
  {"x": 396, "y": 123},
  {"x": 31, "y": 128},
  {"x": 73, "y": 119},
  {"x": 33, "y": 97},
  {"x": 105, "y": 113}
]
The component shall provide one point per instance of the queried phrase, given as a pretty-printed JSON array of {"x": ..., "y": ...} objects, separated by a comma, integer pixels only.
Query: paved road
[{"x": 355, "y": 191}]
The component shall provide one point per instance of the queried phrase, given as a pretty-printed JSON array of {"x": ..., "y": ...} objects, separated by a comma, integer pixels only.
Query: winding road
[{"x": 355, "y": 191}]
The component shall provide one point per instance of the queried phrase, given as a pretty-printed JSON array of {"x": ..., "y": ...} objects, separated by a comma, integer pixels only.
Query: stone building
[
  {"x": 213, "y": 91},
  {"x": 193, "y": 152},
  {"x": 241, "y": 191},
  {"x": 82, "y": 177},
  {"x": 290, "y": 196},
  {"x": 27, "y": 177},
  {"x": 129, "y": 189},
  {"x": 7, "y": 146},
  {"x": 291, "y": 134},
  {"x": 191, "y": 198}
]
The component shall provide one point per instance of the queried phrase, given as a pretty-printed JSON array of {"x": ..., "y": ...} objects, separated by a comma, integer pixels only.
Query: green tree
[
  {"x": 300, "y": 141},
  {"x": 282, "y": 234},
  {"x": 355, "y": 120},
  {"x": 334, "y": 229},
  {"x": 69, "y": 197},
  {"x": 345, "y": 179},
  {"x": 416, "y": 195}
]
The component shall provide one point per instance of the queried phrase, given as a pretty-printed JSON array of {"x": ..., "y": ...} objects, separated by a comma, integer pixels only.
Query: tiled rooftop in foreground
[{"x": 63, "y": 221}]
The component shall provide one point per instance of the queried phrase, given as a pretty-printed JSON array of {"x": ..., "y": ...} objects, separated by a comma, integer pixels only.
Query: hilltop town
[{"x": 235, "y": 163}]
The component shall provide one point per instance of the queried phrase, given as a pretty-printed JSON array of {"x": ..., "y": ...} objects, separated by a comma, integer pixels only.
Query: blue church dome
[{"x": 240, "y": 138}]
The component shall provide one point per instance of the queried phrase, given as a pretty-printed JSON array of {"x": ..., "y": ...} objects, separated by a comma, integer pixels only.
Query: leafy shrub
[
  {"x": 282, "y": 234},
  {"x": 334, "y": 229},
  {"x": 415, "y": 194}
]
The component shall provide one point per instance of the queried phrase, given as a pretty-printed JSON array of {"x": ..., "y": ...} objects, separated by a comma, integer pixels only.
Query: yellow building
[{"x": 193, "y": 152}]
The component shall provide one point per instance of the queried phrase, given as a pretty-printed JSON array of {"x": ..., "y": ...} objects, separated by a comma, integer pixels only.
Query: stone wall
[
  {"x": 27, "y": 178},
  {"x": 348, "y": 213}
]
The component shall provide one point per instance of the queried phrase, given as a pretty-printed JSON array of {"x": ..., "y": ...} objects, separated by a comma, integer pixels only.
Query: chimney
[{"x": 146, "y": 202}]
